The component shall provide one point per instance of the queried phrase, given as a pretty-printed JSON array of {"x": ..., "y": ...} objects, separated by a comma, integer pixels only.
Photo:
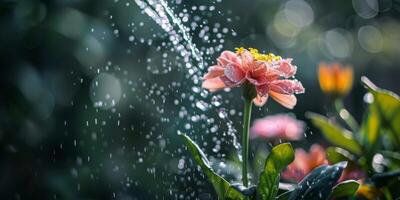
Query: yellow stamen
[
  {"x": 239, "y": 50},
  {"x": 270, "y": 57}
]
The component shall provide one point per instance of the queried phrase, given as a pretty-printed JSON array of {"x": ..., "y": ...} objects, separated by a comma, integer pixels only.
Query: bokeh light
[{"x": 94, "y": 92}]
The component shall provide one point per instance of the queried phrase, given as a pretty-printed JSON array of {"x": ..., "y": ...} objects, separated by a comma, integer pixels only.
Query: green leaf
[
  {"x": 318, "y": 184},
  {"x": 336, "y": 155},
  {"x": 387, "y": 105},
  {"x": 394, "y": 157},
  {"x": 335, "y": 134},
  {"x": 279, "y": 157},
  {"x": 246, "y": 192},
  {"x": 222, "y": 187},
  {"x": 370, "y": 127},
  {"x": 345, "y": 189}
]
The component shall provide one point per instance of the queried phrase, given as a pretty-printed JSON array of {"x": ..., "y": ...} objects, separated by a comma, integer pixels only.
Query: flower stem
[
  {"x": 387, "y": 194},
  {"x": 245, "y": 139}
]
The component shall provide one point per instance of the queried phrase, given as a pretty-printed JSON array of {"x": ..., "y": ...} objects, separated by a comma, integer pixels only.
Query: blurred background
[{"x": 94, "y": 92}]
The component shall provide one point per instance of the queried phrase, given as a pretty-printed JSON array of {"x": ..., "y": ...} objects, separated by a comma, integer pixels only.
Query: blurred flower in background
[
  {"x": 280, "y": 126},
  {"x": 368, "y": 191},
  {"x": 305, "y": 162},
  {"x": 335, "y": 79}
]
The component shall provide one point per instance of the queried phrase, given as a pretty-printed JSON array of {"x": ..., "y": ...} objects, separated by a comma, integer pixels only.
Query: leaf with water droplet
[
  {"x": 345, "y": 189},
  {"x": 336, "y": 154},
  {"x": 386, "y": 106},
  {"x": 279, "y": 157},
  {"x": 284, "y": 196},
  {"x": 222, "y": 187},
  {"x": 318, "y": 184}
]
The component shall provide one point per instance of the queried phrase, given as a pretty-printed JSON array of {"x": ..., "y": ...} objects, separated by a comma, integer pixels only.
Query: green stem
[
  {"x": 387, "y": 194},
  {"x": 245, "y": 139},
  {"x": 348, "y": 118}
]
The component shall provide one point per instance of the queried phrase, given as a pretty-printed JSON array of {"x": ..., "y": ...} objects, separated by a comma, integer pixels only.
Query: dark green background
[{"x": 50, "y": 144}]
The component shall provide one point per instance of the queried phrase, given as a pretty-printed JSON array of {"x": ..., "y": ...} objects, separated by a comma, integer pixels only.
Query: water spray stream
[
  {"x": 162, "y": 14},
  {"x": 180, "y": 37}
]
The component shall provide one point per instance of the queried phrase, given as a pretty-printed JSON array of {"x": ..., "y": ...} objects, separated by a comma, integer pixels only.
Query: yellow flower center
[{"x": 259, "y": 56}]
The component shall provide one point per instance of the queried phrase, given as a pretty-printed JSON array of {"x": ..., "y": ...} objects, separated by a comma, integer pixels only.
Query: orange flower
[
  {"x": 305, "y": 162},
  {"x": 335, "y": 79},
  {"x": 367, "y": 191}
]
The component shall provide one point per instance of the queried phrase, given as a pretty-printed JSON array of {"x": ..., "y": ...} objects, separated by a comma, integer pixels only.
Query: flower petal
[
  {"x": 287, "y": 86},
  {"x": 298, "y": 169},
  {"x": 230, "y": 83},
  {"x": 286, "y": 68},
  {"x": 302, "y": 161},
  {"x": 344, "y": 80},
  {"x": 214, "y": 71},
  {"x": 289, "y": 101},
  {"x": 259, "y": 69},
  {"x": 262, "y": 80},
  {"x": 234, "y": 73},
  {"x": 213, "y": 84},
  {"x": 318, "y": 155},
  {"x": 258, "y": 75},
  {"x": 260, "y": 100},
  {"x": 326, "y": 78},
  {"x": 262, "y": 90},
  {"x": 247, "y": 60},
  {"x": 228, "y": 57}
]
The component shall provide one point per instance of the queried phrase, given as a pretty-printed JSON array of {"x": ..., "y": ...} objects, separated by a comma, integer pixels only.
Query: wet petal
[
  {"x": 214, "y": 71},
  {"x": 260, "y": 69},
  {"x": 247, "y": 60},
  {"x": 272, "y": 73},
  {"x": 287, "y": 87},
  {"x": 286, "y": 68},
  {"x": 262, "y": 80},
  {"x": 230, "y": 83},
  {"x": 289, "y": 101},
  {"x": 229, "y": 57},
  {"x": 258, "y": 75},
  {"x": 260, "y": 100},
  {"x": 262, "y": 90},
  {"x": 213, "y": 84},
  {"x": 234, "y": 73}
]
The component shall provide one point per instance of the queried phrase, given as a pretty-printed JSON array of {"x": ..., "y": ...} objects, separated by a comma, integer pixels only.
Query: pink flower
[
  {"x": 278, "y": 126},
  {"x": 267, "y": 72},
  {"x": 305, "y": 162}
]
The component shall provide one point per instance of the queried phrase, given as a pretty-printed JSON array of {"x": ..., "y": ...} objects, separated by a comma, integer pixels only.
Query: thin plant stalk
[{"x": 245, "y": 139}]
